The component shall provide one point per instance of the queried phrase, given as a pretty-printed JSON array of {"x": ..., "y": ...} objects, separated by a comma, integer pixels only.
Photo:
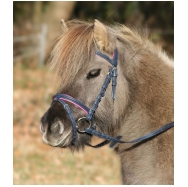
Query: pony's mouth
[{"x": 56, "y": 134}]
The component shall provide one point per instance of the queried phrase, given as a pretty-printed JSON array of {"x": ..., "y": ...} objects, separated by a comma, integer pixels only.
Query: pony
[{"x": 139, "y": 99}]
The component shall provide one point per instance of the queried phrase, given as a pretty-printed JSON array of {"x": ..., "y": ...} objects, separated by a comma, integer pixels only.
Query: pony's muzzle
[{"x": 54, "y": 134}]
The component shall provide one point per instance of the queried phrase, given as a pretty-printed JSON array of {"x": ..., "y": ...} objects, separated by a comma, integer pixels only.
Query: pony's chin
[
  {"x": 62, "y": 141},
  {"x": 79, "y": 144}
]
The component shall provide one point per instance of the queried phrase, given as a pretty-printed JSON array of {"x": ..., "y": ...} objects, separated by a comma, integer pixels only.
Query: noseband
[{"x": 112, "y": 74}]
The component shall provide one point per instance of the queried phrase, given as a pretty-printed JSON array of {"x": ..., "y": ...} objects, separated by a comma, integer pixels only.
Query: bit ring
[{"x": 77, "y": 126}]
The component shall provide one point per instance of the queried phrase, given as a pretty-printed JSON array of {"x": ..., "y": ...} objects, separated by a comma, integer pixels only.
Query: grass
[{"x": 37, "y": 163}]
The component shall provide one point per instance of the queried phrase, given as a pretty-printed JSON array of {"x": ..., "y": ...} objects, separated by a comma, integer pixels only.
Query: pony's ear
[
  {"x": 104, "y": 39},
  {"x": 63, "y": 25}
]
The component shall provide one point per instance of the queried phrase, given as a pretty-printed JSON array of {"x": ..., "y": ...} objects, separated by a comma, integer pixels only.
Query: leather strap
[
  {"x": 112, "y": 61},
  {"x": 72, "y": 100},
  {"x": 71, "y": 117},
  {"x": 117, "y": 139}
]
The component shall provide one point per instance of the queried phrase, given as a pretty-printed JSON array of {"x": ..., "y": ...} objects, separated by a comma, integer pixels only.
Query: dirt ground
[{"x": 37, "y": 163}]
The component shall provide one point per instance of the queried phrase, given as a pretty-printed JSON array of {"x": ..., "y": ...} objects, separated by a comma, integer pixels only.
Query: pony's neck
[
  {"x": 151, "y": 85},
  {"x": 150, "y": 80}
]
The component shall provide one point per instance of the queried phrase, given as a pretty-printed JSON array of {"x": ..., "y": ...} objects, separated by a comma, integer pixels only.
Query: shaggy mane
[
  {"x": 72, "y": 51},
  {"x": 75, "y": 47}
]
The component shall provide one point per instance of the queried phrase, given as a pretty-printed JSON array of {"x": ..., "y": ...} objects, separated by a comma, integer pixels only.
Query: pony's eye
[{"x": 93, "y": 73}]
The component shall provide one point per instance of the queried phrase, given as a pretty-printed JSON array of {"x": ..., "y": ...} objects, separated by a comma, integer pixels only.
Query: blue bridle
[{"x": 112, "y": 74}]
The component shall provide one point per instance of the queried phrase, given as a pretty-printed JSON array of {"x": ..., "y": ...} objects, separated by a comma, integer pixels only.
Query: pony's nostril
[
  {"x": 57, "y": 127},
  {"x": 42, "y": 128}
]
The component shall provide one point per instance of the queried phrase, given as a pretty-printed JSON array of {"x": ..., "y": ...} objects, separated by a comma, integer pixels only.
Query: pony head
[{"x": 81, "y": 73}]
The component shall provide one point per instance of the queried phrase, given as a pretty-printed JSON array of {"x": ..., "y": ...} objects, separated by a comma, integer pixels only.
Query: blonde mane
[
  {"x": 138, "y": 41},
  {"x": 75, "y": 47},
  {"x": 72, "y": 51}
]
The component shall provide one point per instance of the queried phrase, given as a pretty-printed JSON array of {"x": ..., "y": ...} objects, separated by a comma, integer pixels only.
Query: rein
[{"x": 112, "y": 74}]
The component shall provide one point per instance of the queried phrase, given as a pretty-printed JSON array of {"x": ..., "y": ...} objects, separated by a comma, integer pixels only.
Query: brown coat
[{"x": 144, "y": 99}]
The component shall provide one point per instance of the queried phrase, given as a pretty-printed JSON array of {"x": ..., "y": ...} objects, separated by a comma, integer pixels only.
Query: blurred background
[{"x": 36, "y": 25}]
